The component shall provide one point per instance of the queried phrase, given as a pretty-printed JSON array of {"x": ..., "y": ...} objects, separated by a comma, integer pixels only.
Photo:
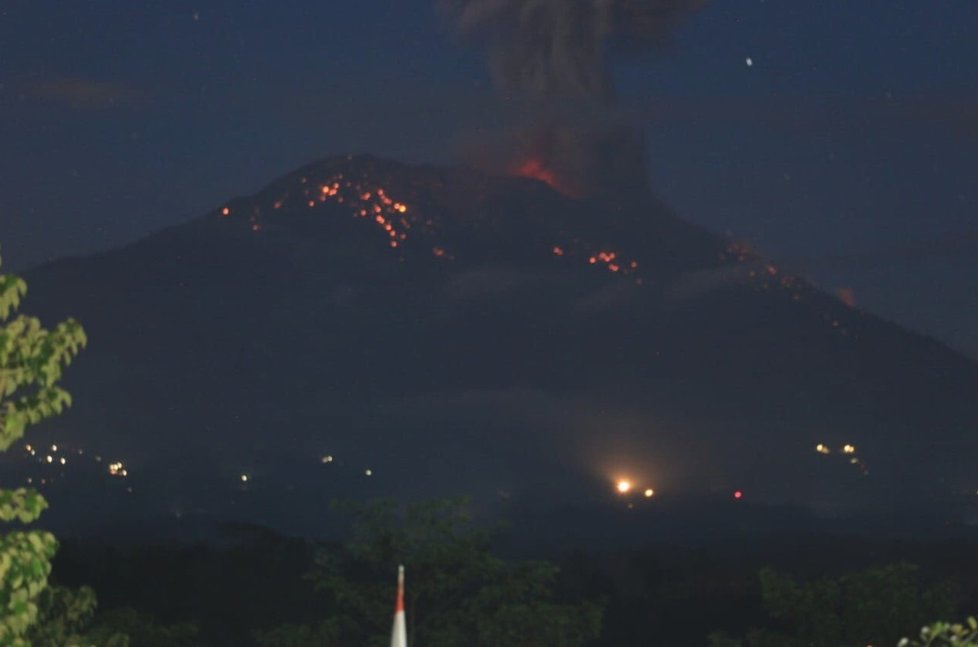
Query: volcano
[{"x": 362, "y": 327}]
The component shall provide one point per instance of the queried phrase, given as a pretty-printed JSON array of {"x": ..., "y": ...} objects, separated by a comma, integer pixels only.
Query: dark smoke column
[{"x": 557, "y": 50}]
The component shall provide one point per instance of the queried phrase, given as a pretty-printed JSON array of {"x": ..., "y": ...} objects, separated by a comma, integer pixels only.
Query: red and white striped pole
[{"x": 399, "y": 633}]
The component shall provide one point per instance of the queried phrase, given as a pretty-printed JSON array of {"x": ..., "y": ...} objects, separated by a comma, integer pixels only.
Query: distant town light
[
  {"x": 368, "y": 472},
  {"x": 624, "y": 486},
  {"x": 738, "y": 494},
  {"x": 848, "y": 449},
  {"x": 649, "y": 493},
  {"x": 822, "y": 449},
  {"x": 244, "y": 478}
]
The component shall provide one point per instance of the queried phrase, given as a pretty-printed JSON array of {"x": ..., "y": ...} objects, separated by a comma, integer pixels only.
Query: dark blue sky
[{"x": 847, "y": 150}]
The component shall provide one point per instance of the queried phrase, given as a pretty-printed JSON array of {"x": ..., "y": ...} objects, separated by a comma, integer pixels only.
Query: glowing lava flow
[
  {"x": 611, "y": 261},
  {"x": 535, "y": 170},
  {"x": 766, "y": 277},
  {"x": 393, "y": 218},
  {"x": 401, "y": 226}
]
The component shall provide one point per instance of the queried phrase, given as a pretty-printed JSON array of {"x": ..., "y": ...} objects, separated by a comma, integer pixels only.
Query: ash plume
[
  {"x": 557, "y": 50},
  {"x": 549, "y": 48}
]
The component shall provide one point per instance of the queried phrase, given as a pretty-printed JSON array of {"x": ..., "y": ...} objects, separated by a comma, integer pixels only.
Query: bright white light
[
  {"x": 623, "y": 486},
  {"x": 849, "y": 449},
  {"x": 327, "y": 459},
  {"x": 749, "y": 61},
  {"x": 368, "y": 472},
  {"x": 244, "y": 478},
  {"x": 649, "y": 493}
]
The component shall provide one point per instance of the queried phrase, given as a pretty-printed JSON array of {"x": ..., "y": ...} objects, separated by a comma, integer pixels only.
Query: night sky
[{"x": 839, "y": 137}]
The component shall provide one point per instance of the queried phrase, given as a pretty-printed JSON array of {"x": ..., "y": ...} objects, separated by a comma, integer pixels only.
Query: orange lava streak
[{"x": 535, "y": 169}]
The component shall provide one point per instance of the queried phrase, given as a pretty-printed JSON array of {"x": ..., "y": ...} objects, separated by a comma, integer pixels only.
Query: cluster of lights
[
  {"x": 624, "y": 486},
  {"x": 847, "y": 449},
  {"x": 328, "y": 458},
  {"x": 118, "y": 469},
  {"x": 50, "y": 456}
]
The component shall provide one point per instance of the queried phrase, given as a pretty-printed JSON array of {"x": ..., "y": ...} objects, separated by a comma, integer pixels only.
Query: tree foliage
[
  {"x": 946, "y": 634},
  {"x": 872, "y": 607},
  {"x": 458, "y": 592},
  {"x": 292, "y": 635},
  {"x": 32, "y": 360},
  {"x": 130, "y": 628},
  {"x": 67, "y": 618},
  {"x": 64, "y": 617}
]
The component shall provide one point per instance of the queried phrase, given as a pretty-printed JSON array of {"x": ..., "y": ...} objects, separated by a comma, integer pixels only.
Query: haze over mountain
[{"x": 453, "y": 333}]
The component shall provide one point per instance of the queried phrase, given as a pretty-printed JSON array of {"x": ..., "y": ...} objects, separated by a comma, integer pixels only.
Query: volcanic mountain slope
[{"x": 453, "y": 332}]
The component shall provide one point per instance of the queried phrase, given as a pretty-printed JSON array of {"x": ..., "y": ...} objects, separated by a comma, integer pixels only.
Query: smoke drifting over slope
[{"x": 558, "y": 50}]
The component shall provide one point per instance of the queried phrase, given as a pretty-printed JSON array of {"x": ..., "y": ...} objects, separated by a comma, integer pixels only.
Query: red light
[
  {"x": 534, "y": 168},
  {"x": 738, "y": 495}
]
